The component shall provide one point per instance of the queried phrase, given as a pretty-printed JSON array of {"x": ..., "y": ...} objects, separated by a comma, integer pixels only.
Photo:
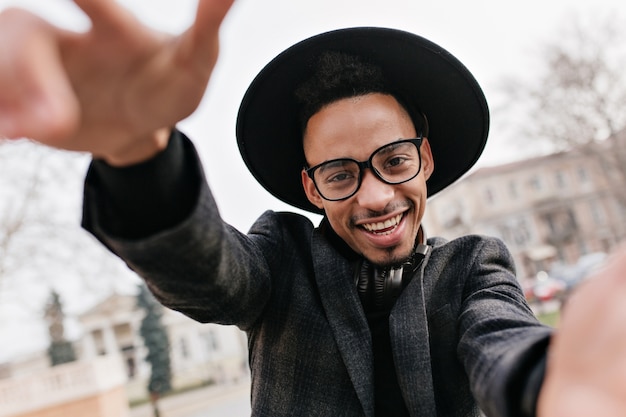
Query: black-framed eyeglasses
[{"x": 394, "y": 163}]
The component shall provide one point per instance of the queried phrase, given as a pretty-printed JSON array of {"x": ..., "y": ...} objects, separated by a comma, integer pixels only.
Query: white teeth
[{"x": 377, "y": 227}]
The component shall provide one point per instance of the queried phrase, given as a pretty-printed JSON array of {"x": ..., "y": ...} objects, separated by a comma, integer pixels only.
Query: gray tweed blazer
[{"x": 462, "y": 334}]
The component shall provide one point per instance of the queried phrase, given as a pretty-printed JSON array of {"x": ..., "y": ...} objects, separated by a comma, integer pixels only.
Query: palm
[
  {"x": 147, "y": 86},
  {"x": 586, "y": 373},
  {"x": 116, "y": 83}
]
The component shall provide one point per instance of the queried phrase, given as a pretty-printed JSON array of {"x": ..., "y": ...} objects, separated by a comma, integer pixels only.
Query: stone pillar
[
  {"x": 88, "y": 345},
  {"x": 110, "y": 341}
]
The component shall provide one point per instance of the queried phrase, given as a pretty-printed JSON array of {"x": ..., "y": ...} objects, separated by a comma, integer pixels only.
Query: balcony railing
[{"x": 60, "y": 384}]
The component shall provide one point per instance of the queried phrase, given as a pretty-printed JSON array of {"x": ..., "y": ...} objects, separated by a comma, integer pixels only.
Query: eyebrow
[
  {"x": 333, "y": 163},
  {"x": 390, "y": 147},
  {"x": 386, "y": 148}
]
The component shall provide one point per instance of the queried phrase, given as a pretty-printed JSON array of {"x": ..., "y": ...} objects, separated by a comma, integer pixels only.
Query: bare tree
[
  {"x": 575, "y": 90},
  {"x": 42, "y": 246},
  {"x": 15, "y": 207},
  {"x": 573, "y": 98}
]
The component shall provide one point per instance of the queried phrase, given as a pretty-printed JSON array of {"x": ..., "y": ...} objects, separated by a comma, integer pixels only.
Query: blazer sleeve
[
  {"x": 502, "y": 344},
  {"x": 198, "y": 264}
]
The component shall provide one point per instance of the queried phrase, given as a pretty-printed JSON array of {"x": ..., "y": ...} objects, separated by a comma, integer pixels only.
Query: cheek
[
  {"x": 332, "y": 216},
  {"x": 339, "y": 219},
  {"x": 417, "y": 194}
]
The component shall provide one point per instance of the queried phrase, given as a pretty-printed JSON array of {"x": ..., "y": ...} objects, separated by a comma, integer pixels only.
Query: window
[
  {"x": 515, "y": 232},
  {"x": 184, "y": 348},
  {"x": 583, "y": 175},
  {"x": 489, "y": 197},
  {"x": 560, "y": 179},
  {"x": 535, "y": 183},
  {"x": 521, "y": 233},
  {"x": 597, "y": 213},
  {"x": 513, "y": 192},
  {"x": 621, "y": 209},
  {"x": 210, "y": 340}
]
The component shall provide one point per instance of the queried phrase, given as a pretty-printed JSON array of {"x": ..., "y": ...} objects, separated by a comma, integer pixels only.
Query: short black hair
[{"x": 338, "y": 75}]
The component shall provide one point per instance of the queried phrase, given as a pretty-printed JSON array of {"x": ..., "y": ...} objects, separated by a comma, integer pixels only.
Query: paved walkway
[{"x": 202, "y": 401}]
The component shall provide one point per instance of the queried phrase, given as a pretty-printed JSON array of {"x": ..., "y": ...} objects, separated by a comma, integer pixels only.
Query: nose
[{"x": 374, "y": 194}]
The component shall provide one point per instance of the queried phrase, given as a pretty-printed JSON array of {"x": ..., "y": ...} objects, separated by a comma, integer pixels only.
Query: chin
[{"x": 390, "y": 259}]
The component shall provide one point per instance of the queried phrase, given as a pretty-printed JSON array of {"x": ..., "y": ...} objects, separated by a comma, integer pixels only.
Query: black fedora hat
[{"x": 268, "y": 125}]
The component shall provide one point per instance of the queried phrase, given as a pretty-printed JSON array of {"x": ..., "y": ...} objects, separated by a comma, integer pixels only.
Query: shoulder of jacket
[{"x": 471, "y": 239}]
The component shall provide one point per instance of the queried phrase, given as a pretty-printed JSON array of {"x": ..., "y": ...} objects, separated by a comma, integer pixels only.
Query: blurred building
[
  {"x": 111, "y": 369},
  {"x": 94, "y": 388},
  {"x": 547, "y": 209},
  {"x": 200, "y": 353}
]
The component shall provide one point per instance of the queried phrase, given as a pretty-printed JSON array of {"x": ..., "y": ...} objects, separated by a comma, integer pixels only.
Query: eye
[
  {"x": 395, "y": 161},
  {"x": 339, "y": 177},
  {"x": 337, "y": 173},
  {"x": 398, "y": 162}
]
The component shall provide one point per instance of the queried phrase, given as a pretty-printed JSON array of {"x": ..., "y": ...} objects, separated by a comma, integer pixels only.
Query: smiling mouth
[{"x": 383, "y": 228}]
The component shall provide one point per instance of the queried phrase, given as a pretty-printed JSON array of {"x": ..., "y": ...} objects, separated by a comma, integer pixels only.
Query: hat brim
[{"x": 268, "y": 128}]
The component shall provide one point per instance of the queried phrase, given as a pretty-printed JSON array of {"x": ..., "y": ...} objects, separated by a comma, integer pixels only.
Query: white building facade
[
  {"x": 199, "y": 353},
  {"x": 548, "y": 209}
]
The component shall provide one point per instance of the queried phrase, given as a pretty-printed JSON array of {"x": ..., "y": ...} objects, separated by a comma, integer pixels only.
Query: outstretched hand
[
  {"x": 586, "y": 373},
  {"x": 113, "y": 91}
]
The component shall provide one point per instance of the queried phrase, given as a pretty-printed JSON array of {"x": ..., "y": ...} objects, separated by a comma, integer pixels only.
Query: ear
[
  {"x": 311, "y": 192},
  {"x": 428, "y": 163}
]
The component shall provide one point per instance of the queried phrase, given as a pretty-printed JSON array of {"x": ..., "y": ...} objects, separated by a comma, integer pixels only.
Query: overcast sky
[{"x": 494, "y": 39}]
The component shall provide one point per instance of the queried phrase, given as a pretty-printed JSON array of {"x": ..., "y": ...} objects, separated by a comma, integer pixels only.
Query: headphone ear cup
[
  {"x": 377, "y": 288},
  {"x": 363, "y": 280},
  {"x": 380, "y": 290}
]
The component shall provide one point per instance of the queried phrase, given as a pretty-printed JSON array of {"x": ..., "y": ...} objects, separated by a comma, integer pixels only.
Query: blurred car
[
  {"x": 547, "y": 288},
  {"x": 573, "y": 275}
]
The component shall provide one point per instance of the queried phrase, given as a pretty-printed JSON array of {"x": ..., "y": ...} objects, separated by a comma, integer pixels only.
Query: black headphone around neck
[{"x": 379, "y": 288}]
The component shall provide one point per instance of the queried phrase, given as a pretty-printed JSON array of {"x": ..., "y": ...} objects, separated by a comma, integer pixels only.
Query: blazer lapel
[
  {"x": 334, "y": 277},
  {"x": 408, "y": 325}
]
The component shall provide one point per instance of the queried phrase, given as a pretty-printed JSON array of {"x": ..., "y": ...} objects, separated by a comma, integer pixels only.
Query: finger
[
  {"x": 210, "y": 15},
  {"x": 107, "y": 14},
  {"x": 199, "y": 45},
  {"x": 36, "y": 98}
]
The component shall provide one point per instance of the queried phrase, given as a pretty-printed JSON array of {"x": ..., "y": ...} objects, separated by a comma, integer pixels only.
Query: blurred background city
[{"x": 80, "y": 336}]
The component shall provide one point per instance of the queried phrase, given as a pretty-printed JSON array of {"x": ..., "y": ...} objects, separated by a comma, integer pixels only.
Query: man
[{"x": 362, "y": 315}]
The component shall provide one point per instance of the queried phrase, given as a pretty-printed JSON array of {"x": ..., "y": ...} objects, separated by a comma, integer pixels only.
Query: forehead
[{"x": 355, "y": 127}]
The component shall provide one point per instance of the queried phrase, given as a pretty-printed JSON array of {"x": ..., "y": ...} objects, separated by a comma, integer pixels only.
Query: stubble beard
[{"x": 393, "y": 260}]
